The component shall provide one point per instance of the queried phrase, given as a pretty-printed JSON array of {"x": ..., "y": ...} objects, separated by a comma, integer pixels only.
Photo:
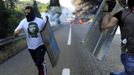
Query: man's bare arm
[
  {"x": 17, "y": 32},
  {"x": 109, "y": 21}
]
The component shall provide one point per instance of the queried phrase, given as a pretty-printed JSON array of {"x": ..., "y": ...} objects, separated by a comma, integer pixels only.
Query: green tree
[
  {"x": 10, "y": 4},
  {"x": 3, "y": 19},
  {"x": 44, "y": 7},
  {"x": 9, "y": 18}
]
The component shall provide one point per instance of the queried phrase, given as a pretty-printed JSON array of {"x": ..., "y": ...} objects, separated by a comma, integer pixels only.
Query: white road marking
[
  {"x": 69, "y": 35},
  {"x": 66, "y": 71}
]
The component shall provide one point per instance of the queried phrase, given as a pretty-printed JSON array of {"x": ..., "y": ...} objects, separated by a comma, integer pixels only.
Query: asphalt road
[{"x": 73, "y": 57}]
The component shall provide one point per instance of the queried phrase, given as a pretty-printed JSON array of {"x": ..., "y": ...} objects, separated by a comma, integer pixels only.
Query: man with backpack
[
  {"x": 125, "y": 20},
  {"x": 32, "y": 26}
]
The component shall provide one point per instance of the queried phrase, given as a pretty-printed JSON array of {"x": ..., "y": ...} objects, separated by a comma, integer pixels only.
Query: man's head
[
  {"x": 30, "y": 14},
  {"x": 130, "y": 4}
]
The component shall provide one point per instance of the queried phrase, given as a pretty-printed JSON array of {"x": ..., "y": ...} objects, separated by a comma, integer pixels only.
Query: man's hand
[
  {"x": 47, "y": 18},
  {"x": 16, "y": 35},
  {"x": 16, "y": 32}
]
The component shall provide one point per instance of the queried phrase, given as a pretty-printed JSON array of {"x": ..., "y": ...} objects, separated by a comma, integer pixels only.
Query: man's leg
[
  {"x": 45, "y": 69},
  {"x": 40, "y": 59},
  {"x": 33, "y": 54},
  {"x": 128, "y": 62},
  {"x": 123, "y": 59}
]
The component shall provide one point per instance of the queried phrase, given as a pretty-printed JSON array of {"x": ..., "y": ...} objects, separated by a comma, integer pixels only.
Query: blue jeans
[{"x": 127, "y": 60}]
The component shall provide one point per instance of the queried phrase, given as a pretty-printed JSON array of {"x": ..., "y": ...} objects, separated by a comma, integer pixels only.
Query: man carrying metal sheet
[
  {"x": 125, "y": 19},
  {"x": 32, "y": 26}
]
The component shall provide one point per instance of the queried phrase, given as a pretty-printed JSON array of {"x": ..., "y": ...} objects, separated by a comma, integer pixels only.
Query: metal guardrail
[{"x": 10, "y": 39}]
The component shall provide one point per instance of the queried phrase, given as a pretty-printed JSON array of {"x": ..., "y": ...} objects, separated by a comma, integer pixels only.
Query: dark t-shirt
[{"x": 126, "y": 21}]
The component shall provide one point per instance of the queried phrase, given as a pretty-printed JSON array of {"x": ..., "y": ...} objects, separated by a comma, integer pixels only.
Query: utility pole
[{"x": 35, "y": 6}]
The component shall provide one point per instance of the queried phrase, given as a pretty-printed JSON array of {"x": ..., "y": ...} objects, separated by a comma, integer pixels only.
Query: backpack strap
[{"x": 124, "y": 14}]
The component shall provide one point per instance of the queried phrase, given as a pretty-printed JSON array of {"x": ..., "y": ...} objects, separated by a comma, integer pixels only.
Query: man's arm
[
  {"x": 18, "y": 29},
  {"x": 17, "y": 32},
  {"x": 109, "y": 21}
]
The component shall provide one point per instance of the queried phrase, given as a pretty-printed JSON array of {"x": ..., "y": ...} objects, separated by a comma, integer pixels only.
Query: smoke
[
  {"x": 54, "y": 15},
  {"x": 84, "y": 7}
]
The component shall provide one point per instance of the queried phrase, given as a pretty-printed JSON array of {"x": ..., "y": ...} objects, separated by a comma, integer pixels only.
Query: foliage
[
  {"x": 9, "y": 18},
  {"x": 13, "y": 20},
  {"x": 3, "y": 19},
  {"x": 44, "y": 7}
]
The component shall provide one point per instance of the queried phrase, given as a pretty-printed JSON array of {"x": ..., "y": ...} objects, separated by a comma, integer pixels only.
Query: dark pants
[
  {"x": 127, "y": 60},
  {"x": 38, "y": 57}
]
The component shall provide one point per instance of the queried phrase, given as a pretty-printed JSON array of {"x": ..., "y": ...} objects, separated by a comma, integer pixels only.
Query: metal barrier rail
[{"x": 10, "y": 39}]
